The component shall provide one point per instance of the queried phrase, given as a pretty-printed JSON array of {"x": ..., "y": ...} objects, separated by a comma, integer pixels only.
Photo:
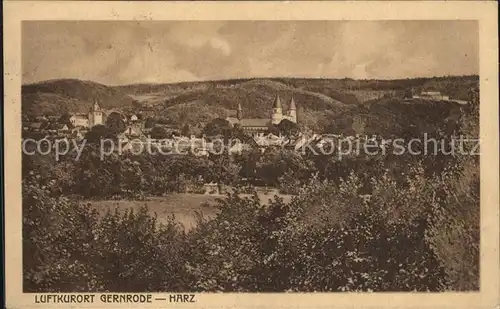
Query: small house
[{"x": 36, "y": 126}]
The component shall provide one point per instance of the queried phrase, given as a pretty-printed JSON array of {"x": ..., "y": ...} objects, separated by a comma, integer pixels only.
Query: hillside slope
[
  {"x": 70, "y": 95},
  {"x": 256, "y": 98},
  {"x": 395, "y": 118},
  {"x": 335, "y": 105}
]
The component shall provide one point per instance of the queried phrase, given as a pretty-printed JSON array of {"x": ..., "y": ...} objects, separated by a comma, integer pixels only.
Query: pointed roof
[
  {"x": 96, "y": 106},
  {"x": 277, "y": 102},
  {"x": 239, "y": 112},
  {"x": 292, "y": 104}
]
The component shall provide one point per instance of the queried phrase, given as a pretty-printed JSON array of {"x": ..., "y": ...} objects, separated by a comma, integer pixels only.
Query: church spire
[
  {"x": 292, "y": 104},
  {"x": 277, "y": 114},
  {"x": 277, "y": 102},
  {"x": 96, "y": 106},
  {"x": 292, "y": 111},
  {"x": 239, "y": 112}
]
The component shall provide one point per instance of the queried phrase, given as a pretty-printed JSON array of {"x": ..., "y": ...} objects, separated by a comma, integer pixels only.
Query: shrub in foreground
[{"x": 328, "y": 238}]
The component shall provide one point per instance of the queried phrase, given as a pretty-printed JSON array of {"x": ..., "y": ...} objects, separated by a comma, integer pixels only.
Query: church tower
[
  {"x": 95, "y": 115},
  {"x": 239, "y": 112},
  {"x": 292, "y": 111},
  {"x": 277, "y": 115}
]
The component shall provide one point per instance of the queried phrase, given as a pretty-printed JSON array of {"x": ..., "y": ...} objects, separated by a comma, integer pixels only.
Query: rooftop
[
  {"x": 254, "y": 122},
  {"x": 277, "y": 102}
]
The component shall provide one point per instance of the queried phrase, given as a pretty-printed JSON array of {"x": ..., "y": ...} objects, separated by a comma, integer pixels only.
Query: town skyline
[{"x": 123, "y": 52}]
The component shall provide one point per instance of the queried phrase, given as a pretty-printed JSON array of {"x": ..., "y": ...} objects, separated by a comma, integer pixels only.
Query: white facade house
[
  {"x": 92, "y": 118},
  {"x": 432, "y": 95},
  {"x": 79, "y": 120}
]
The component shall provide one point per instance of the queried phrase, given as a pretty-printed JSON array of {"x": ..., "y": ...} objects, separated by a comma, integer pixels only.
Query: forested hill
[
  {"x": 55, "y": 97},
  {"x": 319, "y": 101}
]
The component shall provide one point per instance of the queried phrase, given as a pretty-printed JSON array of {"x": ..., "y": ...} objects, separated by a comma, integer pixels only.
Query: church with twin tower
[{"x": 256, "y": 125}]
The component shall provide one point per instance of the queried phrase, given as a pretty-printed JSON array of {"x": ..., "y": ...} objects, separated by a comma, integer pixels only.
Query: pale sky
[{"x": 127, "y": 52}]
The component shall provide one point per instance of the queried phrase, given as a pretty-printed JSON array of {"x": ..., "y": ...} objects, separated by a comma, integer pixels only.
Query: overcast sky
[{"x": 125, "y": 52}]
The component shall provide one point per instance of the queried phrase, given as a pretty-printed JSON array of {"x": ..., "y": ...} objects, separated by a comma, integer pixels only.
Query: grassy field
[{"x": 182, "y": 206}]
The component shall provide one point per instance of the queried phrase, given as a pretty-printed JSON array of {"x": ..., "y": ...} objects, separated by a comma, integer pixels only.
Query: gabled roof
[
  {"x": 81, "y": 116},
  {"x": 57, "y": 126},
  {"x": 272, "y": 136},
  {"x": 233, "y": 120},
  {"x": 165, "y": 126},
  {"x": 95, "y": 107},
  {"x": 232, "y": 113},
  {"x": 254, "y": 122},
  {"x": 36, "y": 125}
]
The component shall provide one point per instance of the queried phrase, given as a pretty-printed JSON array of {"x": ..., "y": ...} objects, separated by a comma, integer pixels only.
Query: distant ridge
[
  {"x": 55, "y": 97},
  {"x": 321, "y": 103}
]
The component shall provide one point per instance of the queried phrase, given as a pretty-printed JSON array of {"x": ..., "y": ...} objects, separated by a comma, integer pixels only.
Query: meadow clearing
[{"x": 182, "y": 205}]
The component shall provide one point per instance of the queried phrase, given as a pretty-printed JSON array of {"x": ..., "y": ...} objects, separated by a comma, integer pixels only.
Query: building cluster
[
  {"x": 136, "y": 139},
  {"x": 436, "y": 96},
  {"x": 135, "y": 135},
  {"x": 94, "y": 117},
  {"x": 204, "y": 146},
  {"x": 258, "y": 128},
  {"x": 76, "y": 125},
  {"x": 46, "y": 124}
]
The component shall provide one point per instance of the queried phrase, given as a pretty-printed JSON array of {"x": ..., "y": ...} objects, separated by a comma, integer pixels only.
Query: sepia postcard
[{"x": 251, "y": 154}]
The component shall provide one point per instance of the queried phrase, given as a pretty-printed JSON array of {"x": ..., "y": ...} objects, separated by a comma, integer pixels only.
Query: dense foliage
[
  {"x": 329, "y": 238},
  {"x": 359, "y": 224}
]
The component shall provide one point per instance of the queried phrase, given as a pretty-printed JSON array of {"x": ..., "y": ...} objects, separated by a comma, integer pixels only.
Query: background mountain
[{"x": 337, "y": 105}]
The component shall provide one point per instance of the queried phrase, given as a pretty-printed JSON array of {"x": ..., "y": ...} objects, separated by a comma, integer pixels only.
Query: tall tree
[
  {"x": 288, "y": 128},
  {"x": 218, "y": 126},
  {"x": 115, "y": 122},
  {"x": 185, "y": 131},
  {"x": 149, "y": 123},
  {"x": 99, "y": 132},
  {"x": 65, "y": 119},
  {"x": 223, "y": 170},
  {"x": 159, "y": 133}
]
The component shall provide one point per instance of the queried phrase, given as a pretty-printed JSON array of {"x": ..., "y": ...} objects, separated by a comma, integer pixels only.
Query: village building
[
  {"x": 269, "y": 140},
  {"x": 79, "y": 120},
  {"x": 53, "y": 118},
  {"x": 78, "y": 134},
  {"x": 432, "y": 95},
  {"x": 58, "y": 128},
  {"x": 256, "y": 126},
  {"x": 133, "y": 132},
  {"x": 94, "y": 117},
  {"x": 33, "y": 126}
]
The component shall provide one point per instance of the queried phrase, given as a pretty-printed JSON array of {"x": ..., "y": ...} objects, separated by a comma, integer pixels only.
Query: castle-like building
[
  {"x": 92, "y": 118},
  {"x": 257, "y": 125}
]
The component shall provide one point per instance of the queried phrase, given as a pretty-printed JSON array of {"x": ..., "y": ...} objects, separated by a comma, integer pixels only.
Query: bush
[
  {"x": 327, "y": 239},
  {"x": 454, "y": 231},
  {"x": 68, "y": 247}
]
